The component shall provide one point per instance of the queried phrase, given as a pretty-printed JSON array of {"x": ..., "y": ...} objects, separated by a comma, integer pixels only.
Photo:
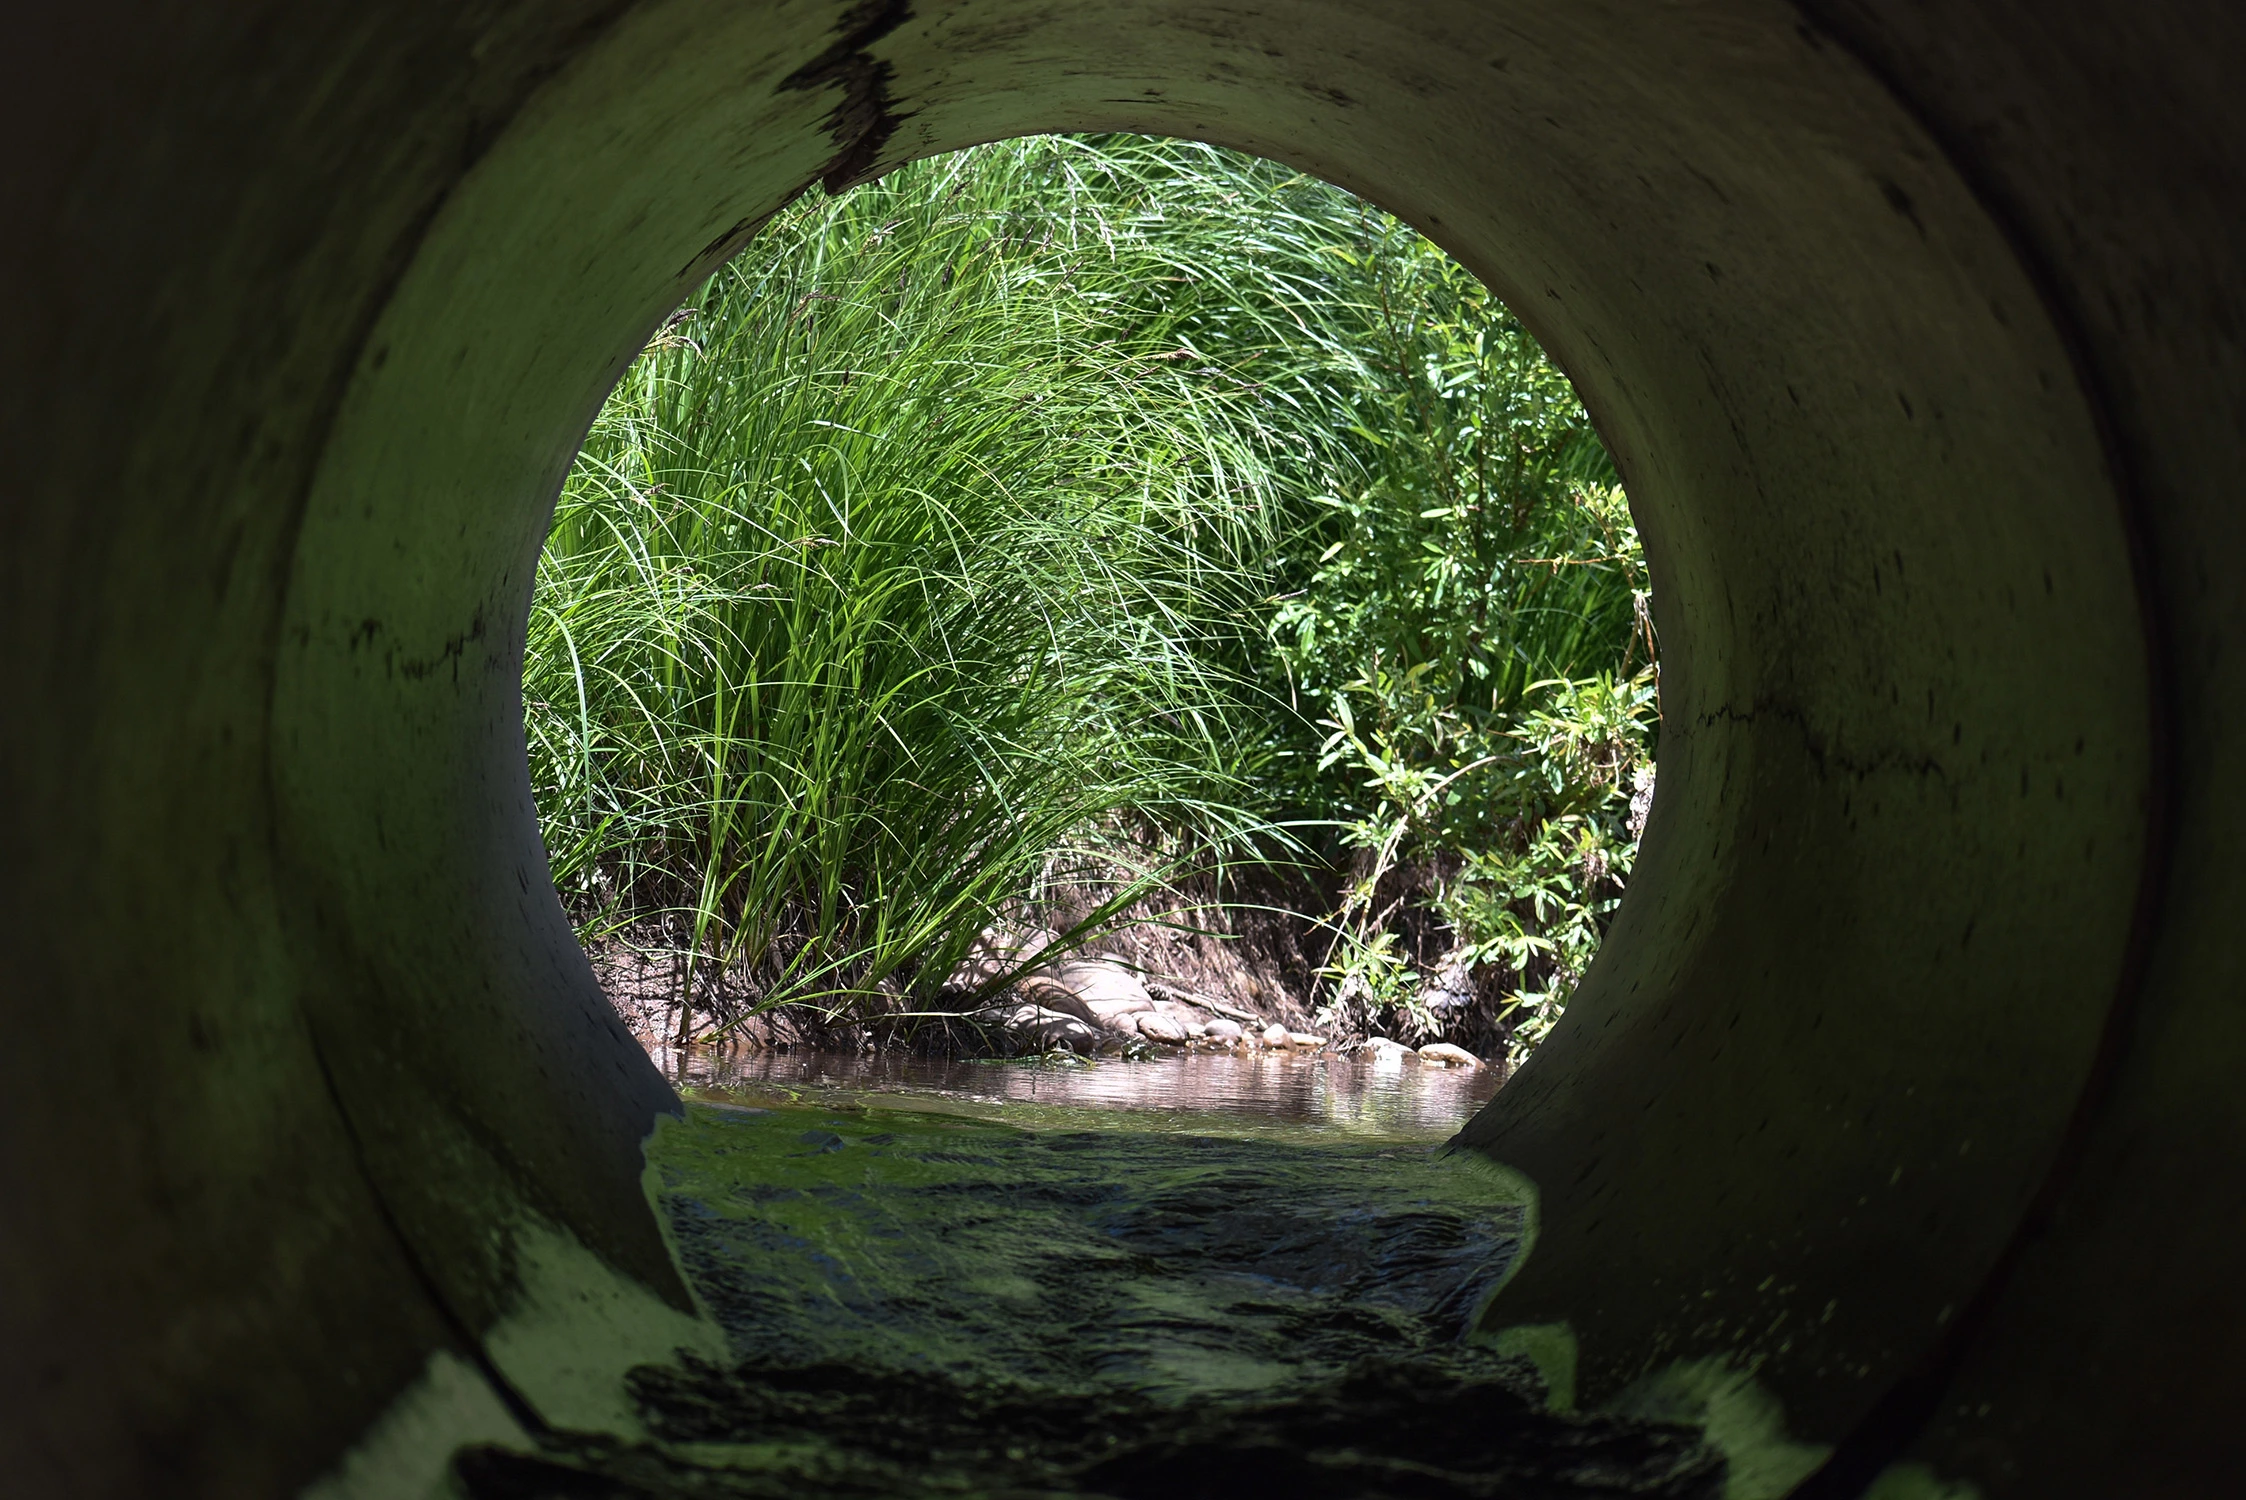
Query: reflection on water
[{"x": 1400, "y": 1100}]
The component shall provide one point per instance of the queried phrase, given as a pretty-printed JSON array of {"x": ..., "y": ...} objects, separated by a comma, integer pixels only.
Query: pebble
[
  {"x": 1220, "y": 1030},
  {"x": 1449, "y": 1056},
  {"x": 1386, "y": 1050},
  {"x": 1275, "y": 1035}
]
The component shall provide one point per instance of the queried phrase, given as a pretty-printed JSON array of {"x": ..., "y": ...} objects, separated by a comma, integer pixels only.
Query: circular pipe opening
[
  {"x": 1882, "y": 905},
  {"x": 1883, "y": 910}
]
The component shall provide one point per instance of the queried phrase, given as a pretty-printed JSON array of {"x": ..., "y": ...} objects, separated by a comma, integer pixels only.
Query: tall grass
[{"x": 892, "y": 570}]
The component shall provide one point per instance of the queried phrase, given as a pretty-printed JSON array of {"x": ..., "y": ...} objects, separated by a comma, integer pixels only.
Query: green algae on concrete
[
  {"x": 1176, "y": 1266},
  {"x": 926, "y": 1302}
]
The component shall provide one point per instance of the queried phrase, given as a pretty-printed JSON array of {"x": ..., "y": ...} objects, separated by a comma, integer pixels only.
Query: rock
[
  {"x": 1448, "y": 1055},
  {"x": 1124, "y": 1020},
  {"x": 1308, "y": 1041},
  {"x": 1386, "y": 1051},
  {"x": 1196, "y": 1029},
  {"x": 1100, "y": 981},
  {"x": 1043, "y": 990},
  {"x": 1044, "y": 1030},
  {"x": 996, "y": 950},
  {"x": 1221, "y": 1030},
  {"x": 1066, "y": 1033},
  {"x": 1275, "y": 1035},
  {"x": 1157, "y": 1027},
  {"x": 1641, "y": 800}
]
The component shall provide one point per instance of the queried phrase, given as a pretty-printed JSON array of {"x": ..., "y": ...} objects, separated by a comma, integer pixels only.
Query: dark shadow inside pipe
[{"x": 1869, "y": 384}]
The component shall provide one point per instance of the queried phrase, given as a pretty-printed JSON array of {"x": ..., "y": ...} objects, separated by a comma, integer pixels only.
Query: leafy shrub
[{"x": 1471, "y": 620}]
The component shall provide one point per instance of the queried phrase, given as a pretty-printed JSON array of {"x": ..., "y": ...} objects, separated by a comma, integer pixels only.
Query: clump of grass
[{"x": 892, "y": 574}]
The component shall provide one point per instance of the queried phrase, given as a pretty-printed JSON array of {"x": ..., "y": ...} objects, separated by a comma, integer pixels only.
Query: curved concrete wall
[{"x": 1904, "y": 1083}]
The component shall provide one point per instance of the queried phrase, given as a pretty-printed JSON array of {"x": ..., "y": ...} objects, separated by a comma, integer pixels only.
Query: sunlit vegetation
[{"x": 1094, "y": 504}]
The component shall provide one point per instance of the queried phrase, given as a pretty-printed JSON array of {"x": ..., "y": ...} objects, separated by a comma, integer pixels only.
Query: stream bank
[{"x": 1239, "y": 969}]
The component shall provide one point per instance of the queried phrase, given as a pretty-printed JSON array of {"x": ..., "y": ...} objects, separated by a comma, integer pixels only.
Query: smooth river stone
[
  {"x": 1157, "y": 1027},
  {"x": 1098, "y": 982}
]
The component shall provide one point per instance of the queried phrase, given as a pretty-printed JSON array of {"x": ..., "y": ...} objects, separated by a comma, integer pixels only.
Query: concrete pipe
[{"x": 1901, "y": 1100}]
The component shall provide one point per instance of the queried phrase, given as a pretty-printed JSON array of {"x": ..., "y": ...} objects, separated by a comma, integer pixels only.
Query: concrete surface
[{"x": 1906, "y": 1084}]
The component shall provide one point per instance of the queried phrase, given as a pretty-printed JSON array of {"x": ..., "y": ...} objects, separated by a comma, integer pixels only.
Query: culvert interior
[{"x": 1905, "y": 1083}]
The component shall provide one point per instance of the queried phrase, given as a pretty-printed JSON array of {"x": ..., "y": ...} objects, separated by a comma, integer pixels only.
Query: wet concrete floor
[{"x": 999, "y": 1282}]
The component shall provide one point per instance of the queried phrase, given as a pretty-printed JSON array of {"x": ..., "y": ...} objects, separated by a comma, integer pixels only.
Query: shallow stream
[
  {"x": 1195, "y": 1276},
  {"x": 1300, "y": 1095}
]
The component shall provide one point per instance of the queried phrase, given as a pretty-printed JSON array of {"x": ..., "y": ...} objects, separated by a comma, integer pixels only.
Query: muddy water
[{"x": 1204, "y": 1275}]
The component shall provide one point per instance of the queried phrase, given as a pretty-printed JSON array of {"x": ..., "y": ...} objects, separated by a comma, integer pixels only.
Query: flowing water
[{"x": 1202, "y": 1275}]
